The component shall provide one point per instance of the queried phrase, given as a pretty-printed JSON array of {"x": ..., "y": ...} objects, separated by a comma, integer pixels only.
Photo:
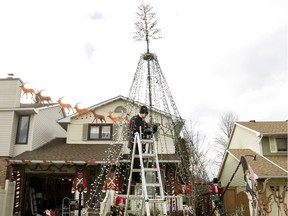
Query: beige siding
[
  {"x": 75, "y": 129},
  {"x": 229, "y": 169},
  {"x": 245, "y": 139},
  {"x": 10, "y": 93},
  {"x": 282, "y": 184},
  {"x": 6, "y": 130}
]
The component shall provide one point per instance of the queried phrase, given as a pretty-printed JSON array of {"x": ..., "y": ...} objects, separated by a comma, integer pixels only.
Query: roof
[
  {"x": 267, "y": 127},
  {"x": 67, "y": 119},
  {"x": 58, "y": 151},
  {"x": 272, "y": 166}
]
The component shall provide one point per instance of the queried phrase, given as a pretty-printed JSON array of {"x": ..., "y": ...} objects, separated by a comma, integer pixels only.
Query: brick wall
[{"x": 3, "y": 171}]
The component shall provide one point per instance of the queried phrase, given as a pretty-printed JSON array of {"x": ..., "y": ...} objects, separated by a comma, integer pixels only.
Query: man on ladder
[
  {"x": 138, "y": 124},
  {"x": 141, "y": 134}
]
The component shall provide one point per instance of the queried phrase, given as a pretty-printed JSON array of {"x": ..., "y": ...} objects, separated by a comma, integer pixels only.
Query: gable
[{"x": 243, "y": 138}]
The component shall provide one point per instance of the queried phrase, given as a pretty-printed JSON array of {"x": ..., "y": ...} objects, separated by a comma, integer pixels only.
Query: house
[
  {"x": 263, "y": 186},
  {"x": 23, "y": 128},
  {"x": 44, "y": 151}
]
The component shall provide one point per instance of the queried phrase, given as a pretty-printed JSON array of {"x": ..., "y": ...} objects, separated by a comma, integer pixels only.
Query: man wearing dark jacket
[{"x": 138, "y": 124}]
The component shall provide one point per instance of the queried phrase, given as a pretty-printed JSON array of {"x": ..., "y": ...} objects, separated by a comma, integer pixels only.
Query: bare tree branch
[
  {"x": 226, "y": 124},
  {"x": 146, "y": 26}
]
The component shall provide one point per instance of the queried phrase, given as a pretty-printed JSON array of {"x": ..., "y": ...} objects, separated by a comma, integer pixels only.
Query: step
[
  {"x": 146, "y": 170},
  {"x": 152, "y": 185},
  {"x": 153, "y": 169},
  {"x": 148, "y": 141},
  {"x": 146, "y": 155},
  {"x": 135, "y": 197}
]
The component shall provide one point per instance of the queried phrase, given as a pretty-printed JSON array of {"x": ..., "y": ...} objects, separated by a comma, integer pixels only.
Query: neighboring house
[
  {"x": 51, "y": 148},
  {"x": 264, "y": 146},
  {"x": 23, "y": 127}
]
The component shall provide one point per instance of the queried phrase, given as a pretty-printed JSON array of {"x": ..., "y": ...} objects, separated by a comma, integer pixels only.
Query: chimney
[{"x": 10, "y": 92}]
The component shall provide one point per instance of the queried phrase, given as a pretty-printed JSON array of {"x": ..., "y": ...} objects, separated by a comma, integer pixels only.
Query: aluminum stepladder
[{"x": 152, "y": 159}]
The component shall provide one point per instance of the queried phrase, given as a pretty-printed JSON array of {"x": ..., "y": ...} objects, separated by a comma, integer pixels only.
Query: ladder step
[
  {"x": 149, "y": 141},
  {"x": 135, "y": 197},
  {"x": 146, "y": 155},
  {"x": 154, "y": 169},
  {"x": 146, "y": 170},
  {"x": 152, "y": 184}
]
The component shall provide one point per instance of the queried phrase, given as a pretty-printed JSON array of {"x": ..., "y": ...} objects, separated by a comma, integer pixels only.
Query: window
[
  {"x": 100, "y": 132},
  {"x": 281, "y": 144},
  {"x": 22, "y": 130},
  {"x": 274, "y": 188}
]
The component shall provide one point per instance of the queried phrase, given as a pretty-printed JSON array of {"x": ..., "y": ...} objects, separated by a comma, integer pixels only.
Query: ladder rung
[
  {"x": 135, "y": 197},
  {"x": 150, "y": 169},
  {"x": 152, "y": 184},
  {"x": 146, "y": 170},
  {"x": 147, "y": 141},
  {"x": 146, "y": 155}
]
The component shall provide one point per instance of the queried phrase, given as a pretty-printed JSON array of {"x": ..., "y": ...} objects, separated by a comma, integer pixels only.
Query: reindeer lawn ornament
[
  {"x": 43, "y": 98},
  {"x": 82, "y": 111},
  {"x": 97, "y": 116},
  {"x": 27, "y": 90},
  {"x": 64, "y": 106},
  {"x": 114, "y": 118}
]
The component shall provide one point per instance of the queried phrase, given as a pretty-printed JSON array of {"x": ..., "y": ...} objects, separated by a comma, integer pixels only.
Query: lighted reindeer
[
  {"x": 97, "y": 116},
  {"x": 114, "y": 118},
  {"x": 64, "y": 106},
  {"x": 82, "y": 111},
  {"x": 126, "y": 118},
  {"x": 27, "y": 90},
  {"x": 43, "y": 98}
]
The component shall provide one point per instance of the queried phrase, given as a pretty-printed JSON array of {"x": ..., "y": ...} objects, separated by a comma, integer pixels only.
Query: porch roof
[
  {"x": 58, "y": 151},
  {"x": 270, "y": 166}
]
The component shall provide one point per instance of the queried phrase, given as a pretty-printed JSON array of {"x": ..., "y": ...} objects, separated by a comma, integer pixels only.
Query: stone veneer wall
[{"x": 3, "y": 171}]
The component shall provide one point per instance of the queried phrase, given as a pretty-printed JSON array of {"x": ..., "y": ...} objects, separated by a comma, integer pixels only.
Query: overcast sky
[{"x": 217, "y": 56}]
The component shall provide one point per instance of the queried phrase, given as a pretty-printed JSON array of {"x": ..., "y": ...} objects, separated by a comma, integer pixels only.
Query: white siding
[
  {"x": 245, "y": 139},
  {"x": 10, "y": 93},
  {"x": 43, "y": 128},
  {"x": 6, "y": 132}
]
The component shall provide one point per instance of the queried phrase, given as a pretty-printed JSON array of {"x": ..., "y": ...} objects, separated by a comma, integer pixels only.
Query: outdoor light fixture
[
  {"x": 80, "y": 188},
  {"x": 254, "y": 156}
]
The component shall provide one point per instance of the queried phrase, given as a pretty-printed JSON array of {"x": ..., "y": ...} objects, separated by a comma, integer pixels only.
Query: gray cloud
[
  {"x": 89, "y": 50},
  {"x": 96, "y": 16},
  {"x": 267, "y": 61}
]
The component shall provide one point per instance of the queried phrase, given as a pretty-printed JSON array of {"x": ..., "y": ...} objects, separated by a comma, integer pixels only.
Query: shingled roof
[
  {"x": 263, "y": 166},
  {"x": 59, "y": 151},
  {"x": 267, "y": 127}
]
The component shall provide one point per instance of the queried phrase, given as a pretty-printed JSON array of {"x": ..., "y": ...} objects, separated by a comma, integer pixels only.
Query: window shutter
[
  {"x": 273, "y": 145},
  {"x": 85, "y": 132}
]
